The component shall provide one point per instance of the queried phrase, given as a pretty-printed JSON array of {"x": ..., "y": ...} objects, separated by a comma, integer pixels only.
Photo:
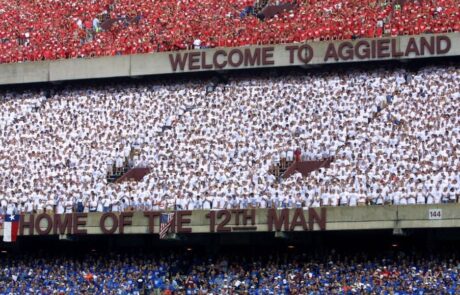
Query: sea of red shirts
[{"x": 32, "y": 30}]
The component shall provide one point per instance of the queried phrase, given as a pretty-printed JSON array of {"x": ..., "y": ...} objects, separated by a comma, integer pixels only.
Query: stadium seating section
[
  {"x": 50, "y": 29},
  {"x": 274, "y": 274},
  {"x": 393, "y": 135}
]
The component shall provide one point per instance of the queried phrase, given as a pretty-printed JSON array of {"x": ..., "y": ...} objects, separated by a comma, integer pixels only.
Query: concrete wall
[
  {"x": 336, "y": 218},
  {"x": 159, "y": 63}
]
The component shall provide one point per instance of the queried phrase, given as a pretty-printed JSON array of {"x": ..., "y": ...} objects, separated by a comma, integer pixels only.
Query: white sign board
[{"x": 435, "y": 214}]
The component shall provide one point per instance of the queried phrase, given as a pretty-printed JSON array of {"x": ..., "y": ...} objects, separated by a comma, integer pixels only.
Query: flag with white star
[{"x": 10, "y": 228}]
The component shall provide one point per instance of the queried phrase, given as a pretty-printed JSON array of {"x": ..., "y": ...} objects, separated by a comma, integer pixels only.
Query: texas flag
[{"x": 10, "y": 228}]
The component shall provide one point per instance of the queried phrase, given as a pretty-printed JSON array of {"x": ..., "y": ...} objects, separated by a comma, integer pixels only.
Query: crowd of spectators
[
  {"x": 394, "y": 136},
  {"x": 50, "y": 29},
  {"x": 277, "y": 274}
]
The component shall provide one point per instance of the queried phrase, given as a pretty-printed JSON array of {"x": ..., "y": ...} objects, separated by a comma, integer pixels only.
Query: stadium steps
[
  {"x": 307, "y": 167},
  {"x": 114, "y": 177},
  {"x": 137, "y": 172},
  {"x": 278, "y": 169},
  {"x": 260, "y": 5}
]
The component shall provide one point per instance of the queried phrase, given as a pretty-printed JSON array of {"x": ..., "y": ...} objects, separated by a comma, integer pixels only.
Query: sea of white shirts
[{"x": 396, "y": 141}]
